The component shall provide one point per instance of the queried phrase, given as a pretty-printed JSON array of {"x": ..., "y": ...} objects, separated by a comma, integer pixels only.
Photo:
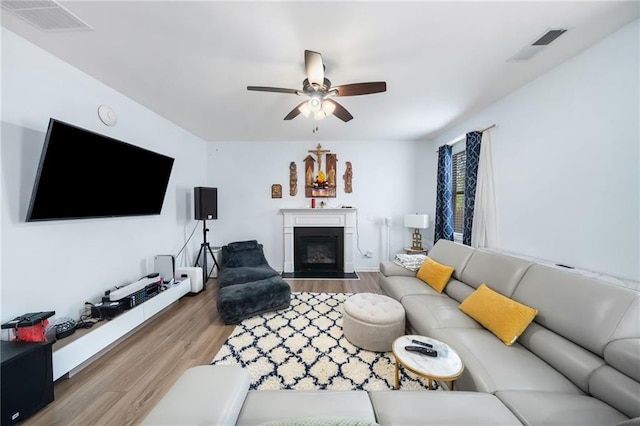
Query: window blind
[{"x": 458, "y": 173}]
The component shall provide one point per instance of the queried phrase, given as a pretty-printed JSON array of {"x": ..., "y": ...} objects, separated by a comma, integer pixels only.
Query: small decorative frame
[{"x": 276, "y": 190}]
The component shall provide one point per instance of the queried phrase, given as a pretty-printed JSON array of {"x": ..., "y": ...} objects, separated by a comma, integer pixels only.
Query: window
[{"x": 458, "y": 173}]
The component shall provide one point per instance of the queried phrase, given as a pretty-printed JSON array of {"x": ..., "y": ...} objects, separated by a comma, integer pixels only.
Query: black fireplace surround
[{"x": 318, "y": 251}]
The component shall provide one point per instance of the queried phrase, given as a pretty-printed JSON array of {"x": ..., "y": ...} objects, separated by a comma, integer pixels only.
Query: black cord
[{"x": 188, "y": 239}]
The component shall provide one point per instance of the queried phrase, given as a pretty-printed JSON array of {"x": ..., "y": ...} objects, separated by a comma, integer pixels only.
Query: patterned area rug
[{"x": 303, "y": 348}]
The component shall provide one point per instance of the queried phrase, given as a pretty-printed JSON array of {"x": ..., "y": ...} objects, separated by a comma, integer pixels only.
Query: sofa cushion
[
  {"x": 504, "y": 317},
  {"x": 435, "y": 274},
  {"x": 398, "y": 287},
  {"x": 559, "y": 408},
  {"x": 452, "y": 254},
  {"x": 616, "y": 389},
  {"x": 267, "y": 405},
  {"x": 587, "y": 311},
  {"x": 390, "y": 268},
  {"x": 573, "y": 361},
  {"x": 457, "y": 290},
  {"x": 417, "y": 407},
  {"x": 623, "y": 355},
  {"x": 426, "y": 313},
  {"x": 490, "y": 365},
  {"x": 320, "y": 421},
  {"x": 501, "y": 272}
]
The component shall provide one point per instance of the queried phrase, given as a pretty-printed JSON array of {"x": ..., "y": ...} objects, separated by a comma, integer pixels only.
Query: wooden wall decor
[
  {"x": 309, "y": 171},
  {"x": 276, "y": 190},
  {"x": 323, "y": 182},
  {"x": 293, "y": 179},
  {"x": 348, "y": 175},
  {"x": 332, "y": 160}
]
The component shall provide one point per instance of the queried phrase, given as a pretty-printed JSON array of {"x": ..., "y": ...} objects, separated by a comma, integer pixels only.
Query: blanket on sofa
[{"x": 412, "y": 262}]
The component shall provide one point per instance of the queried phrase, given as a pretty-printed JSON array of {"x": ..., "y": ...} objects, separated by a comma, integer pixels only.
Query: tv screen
[{"x": 86, "y": 175}]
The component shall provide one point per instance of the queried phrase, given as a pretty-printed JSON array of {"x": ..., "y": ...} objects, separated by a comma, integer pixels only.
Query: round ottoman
[{"x": 372, "y": 321}]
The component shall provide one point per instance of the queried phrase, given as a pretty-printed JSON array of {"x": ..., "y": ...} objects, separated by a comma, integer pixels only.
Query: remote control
[
  {"x": 418, "y": 342},
  {"x": 421, "y": 350}
]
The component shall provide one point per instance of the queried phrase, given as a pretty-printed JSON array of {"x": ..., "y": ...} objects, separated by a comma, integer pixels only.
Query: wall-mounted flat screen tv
[{"x": 83, "y": 175}]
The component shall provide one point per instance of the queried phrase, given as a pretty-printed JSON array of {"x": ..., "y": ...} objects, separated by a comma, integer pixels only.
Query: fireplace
[
  {"x": 320, "y": 222},
  {"x": 318, "y": 249}
]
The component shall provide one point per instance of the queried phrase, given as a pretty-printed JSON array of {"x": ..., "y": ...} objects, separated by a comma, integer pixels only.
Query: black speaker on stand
[
  {"x": 206, "y": 203},
  {"x": 206, "y": 208}
]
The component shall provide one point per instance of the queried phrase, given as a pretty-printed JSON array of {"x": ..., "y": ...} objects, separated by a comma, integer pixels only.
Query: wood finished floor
[{"x": 123, "y": 385}]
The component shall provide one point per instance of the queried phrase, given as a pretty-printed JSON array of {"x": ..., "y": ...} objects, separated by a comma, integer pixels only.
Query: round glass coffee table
[{"x": 446, "y": 367}]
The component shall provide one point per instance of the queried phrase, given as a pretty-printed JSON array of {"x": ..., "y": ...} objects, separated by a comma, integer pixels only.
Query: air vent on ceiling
[
  {"x": 541, "y": 42},
  {"x": 46, "y": 15}
]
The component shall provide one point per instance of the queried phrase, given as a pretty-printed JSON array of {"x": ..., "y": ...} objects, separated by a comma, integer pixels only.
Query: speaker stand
[{"x": 204, "y": 249}]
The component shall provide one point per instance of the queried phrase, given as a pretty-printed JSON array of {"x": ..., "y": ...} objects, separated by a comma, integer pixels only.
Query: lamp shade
[{"x": 416, "y": 221}]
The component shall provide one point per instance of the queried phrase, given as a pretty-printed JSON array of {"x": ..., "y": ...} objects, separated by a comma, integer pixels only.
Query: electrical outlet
[{"x": 368, "y": 253}]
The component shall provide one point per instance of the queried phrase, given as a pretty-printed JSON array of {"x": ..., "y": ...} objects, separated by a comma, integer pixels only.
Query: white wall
[
  {"x": 387, "y": 182},
  {"x": 566, "y": 160},
  {"x": 59, "y": 265}
]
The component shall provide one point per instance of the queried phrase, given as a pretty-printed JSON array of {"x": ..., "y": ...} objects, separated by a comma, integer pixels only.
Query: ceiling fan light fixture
[
  {"x": 304, "y": 109},
  {"x": 320, "y": 115},
  {"x": 315, "y": 103},
  {"x": 328, "y": 107},
  {"x": 318, "y": 88}
]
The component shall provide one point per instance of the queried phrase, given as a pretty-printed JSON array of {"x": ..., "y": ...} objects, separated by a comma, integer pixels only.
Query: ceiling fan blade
[
  {"x": 295, "y": 112},
  {"x": 340, "y": 111},
  {"x": 314, "y": 67},
  {"x": 273, "y": 89},
  {"x": 360, "y": 88}
]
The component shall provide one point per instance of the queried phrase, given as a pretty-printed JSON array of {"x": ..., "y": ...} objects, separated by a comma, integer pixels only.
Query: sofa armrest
[
  {"x": 205, "y": 394},
  {"x": 264, "y": 406},
  {"x": 389, "y": 269}
]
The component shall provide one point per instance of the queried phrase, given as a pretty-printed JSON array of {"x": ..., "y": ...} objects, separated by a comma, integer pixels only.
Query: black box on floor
[{"x": 27, "y": 379}]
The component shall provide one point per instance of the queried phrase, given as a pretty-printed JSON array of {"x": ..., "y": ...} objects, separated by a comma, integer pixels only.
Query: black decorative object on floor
[{"x": 248, "y": 285}]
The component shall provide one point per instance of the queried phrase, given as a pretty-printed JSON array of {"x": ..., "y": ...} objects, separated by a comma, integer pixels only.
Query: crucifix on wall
[{"x": 322, "y": 183}]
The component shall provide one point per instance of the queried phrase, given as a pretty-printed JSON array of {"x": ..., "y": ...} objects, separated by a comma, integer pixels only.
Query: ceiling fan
[{"x": 318, "y": 88}]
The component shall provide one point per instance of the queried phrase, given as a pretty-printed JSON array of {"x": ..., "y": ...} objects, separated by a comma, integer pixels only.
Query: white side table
[{"x": 447, "y": 366}]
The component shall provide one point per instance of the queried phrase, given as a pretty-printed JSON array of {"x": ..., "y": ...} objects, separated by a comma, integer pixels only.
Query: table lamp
[{"x": 417, "y": 222}]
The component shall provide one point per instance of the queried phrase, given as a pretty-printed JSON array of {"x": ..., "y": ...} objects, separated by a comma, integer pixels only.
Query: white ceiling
[{"x": 190, "y": 62}]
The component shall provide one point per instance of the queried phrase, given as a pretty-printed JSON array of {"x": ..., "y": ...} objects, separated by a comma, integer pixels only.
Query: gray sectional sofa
[
  {"x": 220, "y": 395},
  {"x": 577, "y": 363}
]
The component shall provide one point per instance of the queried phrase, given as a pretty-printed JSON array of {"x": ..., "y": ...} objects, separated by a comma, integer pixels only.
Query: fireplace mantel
[{"x": 323, "y": 217}]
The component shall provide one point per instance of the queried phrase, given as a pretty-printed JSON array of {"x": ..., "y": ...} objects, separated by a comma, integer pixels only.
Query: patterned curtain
[
  {"x": 471, "y": 180},
  {"x": 444, "y": 209}
]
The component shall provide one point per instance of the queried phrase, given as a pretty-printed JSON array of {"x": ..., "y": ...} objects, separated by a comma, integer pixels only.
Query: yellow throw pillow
[
  {"x": 435, "y": 274},
  {"x": 502, "y": 316}
]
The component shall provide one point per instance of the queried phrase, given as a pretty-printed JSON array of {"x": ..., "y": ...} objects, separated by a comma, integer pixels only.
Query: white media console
[{"x": 72, "y": 353}]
